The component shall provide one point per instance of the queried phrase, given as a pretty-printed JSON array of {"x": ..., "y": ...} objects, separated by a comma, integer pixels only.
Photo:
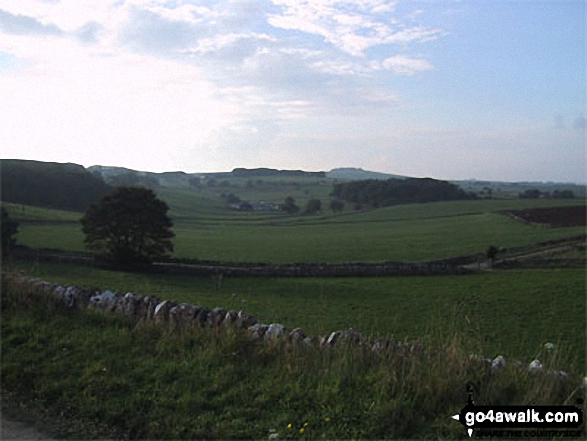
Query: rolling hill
[{"x": 52, "y": 185}]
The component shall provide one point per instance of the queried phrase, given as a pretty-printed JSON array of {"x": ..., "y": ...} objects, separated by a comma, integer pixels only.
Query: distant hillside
[
  {"x": 513, "y": 189},
  {"x": 358, "y": 174},
  {"x": 49, "y": 184},
  {"x": 378, "y": 193},
  {"x": 266, "y": 172},
  {"x": 124, "y": 176},
  {"x": 117, "y": 176}
]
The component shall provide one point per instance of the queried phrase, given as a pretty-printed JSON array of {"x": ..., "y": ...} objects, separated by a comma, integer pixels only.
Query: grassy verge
[{"x": 113, "y": 378}]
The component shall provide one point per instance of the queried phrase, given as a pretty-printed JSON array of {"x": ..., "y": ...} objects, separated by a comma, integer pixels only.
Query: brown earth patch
[{"x": 571, "y": 216}]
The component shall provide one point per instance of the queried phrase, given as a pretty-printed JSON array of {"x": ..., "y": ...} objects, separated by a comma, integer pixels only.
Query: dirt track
[
  {"x": 17, "y": 423},
  {"x": 521, "y": 257},
  {"x": 13, "y": 430}
]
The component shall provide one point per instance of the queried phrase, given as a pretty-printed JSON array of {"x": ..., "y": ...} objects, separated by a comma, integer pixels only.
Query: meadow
[
  {"x": 503, "y": 312},
  {"x": 185, "y": 386},
  {"x": 207, "y": 229},
  {"x": 511, "y": 311}
]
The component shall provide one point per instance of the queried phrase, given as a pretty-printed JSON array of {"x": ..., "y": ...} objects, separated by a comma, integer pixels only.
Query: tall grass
[{"x": 104, "y": 376}]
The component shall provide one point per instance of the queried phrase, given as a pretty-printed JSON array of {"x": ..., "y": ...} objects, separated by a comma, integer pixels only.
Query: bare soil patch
[{"x": 571, "y": 216}]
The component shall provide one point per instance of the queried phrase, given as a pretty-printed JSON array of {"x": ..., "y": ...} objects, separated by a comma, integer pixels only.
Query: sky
[{"x": 448, "y": 89}]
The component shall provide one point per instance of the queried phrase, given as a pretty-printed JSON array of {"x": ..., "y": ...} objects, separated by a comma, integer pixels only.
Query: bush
[{"x": 313, "y": 206}]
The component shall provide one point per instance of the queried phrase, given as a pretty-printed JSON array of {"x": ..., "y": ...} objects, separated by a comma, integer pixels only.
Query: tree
[
  {"x": 129, "y": 227},
  {"x": 564, "y": 194},
  {"x": 491, "y": 253},
  {"x": 378, "y": 193},
  {"x": 531, "y": 193},
  {"x": 290, "y": 206},
  {"x": 313, "y": 206},
  {"x": 336, "y": 206},
  {"x": 9, "y": 229}
]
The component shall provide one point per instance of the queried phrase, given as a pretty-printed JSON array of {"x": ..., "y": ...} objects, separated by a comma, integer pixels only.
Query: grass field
[
  {"x": 207, "y": 230},
  {"x": 508, "y": 312},
  {"x": 93, "y": 375},
  {"x": 115, "y": 380}
]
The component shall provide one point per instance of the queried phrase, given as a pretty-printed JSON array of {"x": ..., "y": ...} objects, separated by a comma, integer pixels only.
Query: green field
[
  {"x": 94, "y": 375},
  {"x": 508, "y": 312},
  {"x": 206, "y": 229},
  {"x": 115, "y": 380},
  {"x": 511, "y": 311}
]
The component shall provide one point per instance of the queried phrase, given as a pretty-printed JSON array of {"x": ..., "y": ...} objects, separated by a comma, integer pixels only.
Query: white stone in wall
[
  {"x": 258, "y": 330},
  {"x": 69, "y": 296},
  {"x": 535, "y": 366},
  {"x": 274, "y": 330},
  {"x": 297, "y": 335},
  {"x": 104, "y": 299},
  {"x": 498, "y": 363},
  {"x": 158, "y": 308},
  {"x": 559, "y": 374},
  {"x": 333, "y": 338}
]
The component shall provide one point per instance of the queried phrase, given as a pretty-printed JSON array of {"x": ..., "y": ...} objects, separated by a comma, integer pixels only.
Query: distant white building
[{"x": 255, "y": 206}]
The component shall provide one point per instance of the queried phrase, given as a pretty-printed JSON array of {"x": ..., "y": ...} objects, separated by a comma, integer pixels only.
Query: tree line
[
  {"x": 534, "y": 193},
  {"x": 380, "y": 193},
  {"x": 52, "y": 185}
]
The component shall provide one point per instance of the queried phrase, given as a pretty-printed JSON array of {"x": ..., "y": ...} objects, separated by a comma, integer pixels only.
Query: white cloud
[
  {"x": 68, "y": 15},
  {"x": 402, "y": 65},
  {"x": 85, "y": 105},
  {"x": 212, "y": 44},
  {"x": 351, "y": 26},
  {"x": 199, "y": 85}
]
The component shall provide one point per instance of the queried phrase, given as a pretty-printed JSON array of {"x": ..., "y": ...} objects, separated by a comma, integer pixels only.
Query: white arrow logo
[{"x": 469, "y": 431}]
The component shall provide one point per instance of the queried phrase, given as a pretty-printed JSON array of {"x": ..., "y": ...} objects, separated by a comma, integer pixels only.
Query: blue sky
[{"x": 450, "y": 89}]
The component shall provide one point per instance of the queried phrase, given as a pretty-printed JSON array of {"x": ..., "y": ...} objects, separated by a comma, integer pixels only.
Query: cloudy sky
[{"x": 450, "y": 89}]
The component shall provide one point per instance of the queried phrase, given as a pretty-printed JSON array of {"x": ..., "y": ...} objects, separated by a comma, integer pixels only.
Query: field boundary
[
  {"x": 259, "y": 269},
  {"x": 185, "y": 317},
  {"x": 456, "y": 265}
]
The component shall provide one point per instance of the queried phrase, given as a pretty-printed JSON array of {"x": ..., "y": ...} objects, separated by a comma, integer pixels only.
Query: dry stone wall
[
  {"x": 234, "y": 269},
  {"x": 184, "y": 316}
]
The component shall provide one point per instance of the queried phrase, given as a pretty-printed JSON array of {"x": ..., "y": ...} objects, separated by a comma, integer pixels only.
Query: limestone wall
[
  {"x": 358, "y": 269},
  {"x": 182, "y": 317}
]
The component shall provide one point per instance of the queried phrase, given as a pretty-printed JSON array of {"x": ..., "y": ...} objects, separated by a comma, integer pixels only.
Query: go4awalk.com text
[{"x": 516, "y": 420}]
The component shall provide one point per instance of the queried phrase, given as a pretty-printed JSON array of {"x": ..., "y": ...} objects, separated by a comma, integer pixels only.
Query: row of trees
[
  {"x": 378, "y": 193},
  {"x": 534, "y": 193},
  {"x": 313, "y": 206}
]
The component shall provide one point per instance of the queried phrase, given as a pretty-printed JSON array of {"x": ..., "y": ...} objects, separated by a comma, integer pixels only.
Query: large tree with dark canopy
[{"x": 129, "y": 227}]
